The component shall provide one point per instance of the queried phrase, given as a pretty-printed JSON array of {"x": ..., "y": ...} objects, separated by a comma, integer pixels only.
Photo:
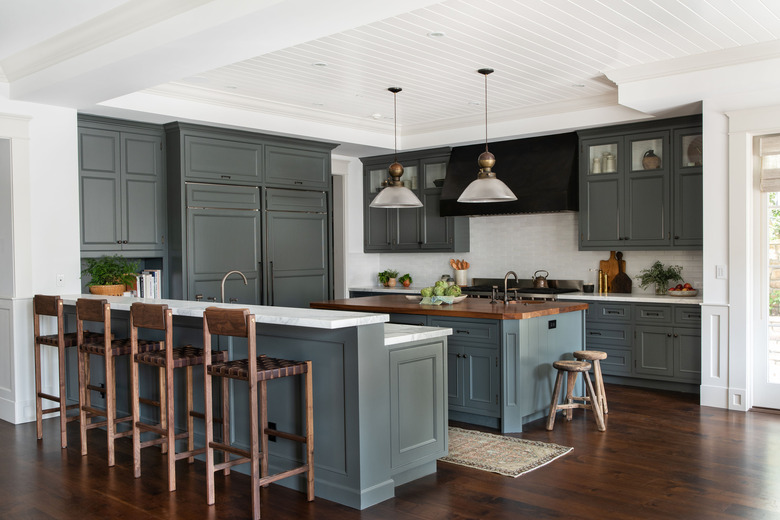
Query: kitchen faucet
[
  {"x": 245, "y": 282},
  {"x": 506, "y": 291}
]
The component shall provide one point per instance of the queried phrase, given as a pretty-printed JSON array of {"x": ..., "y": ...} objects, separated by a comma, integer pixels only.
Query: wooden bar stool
[
  {"x": 257, "y": 371},
  {"x": 160, "y": 317},
  {"x": 572, "y": 368},
  {"x": 52, "y": 306},
  {"x": 594, "y": 357},
  {"x": 99, "y": 311}
]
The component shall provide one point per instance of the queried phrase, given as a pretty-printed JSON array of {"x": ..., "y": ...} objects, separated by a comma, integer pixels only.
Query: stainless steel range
[{"x": 521, "y": 289}]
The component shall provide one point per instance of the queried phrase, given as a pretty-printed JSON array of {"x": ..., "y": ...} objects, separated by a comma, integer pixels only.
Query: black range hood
[{"x": 541, "y": 171}]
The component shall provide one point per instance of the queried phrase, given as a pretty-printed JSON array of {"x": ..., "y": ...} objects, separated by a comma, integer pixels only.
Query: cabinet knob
[
  {"x": 124, "y": 241},
  {"x": 118, "y": 241},
  {"x": 675, "y": 335},
  {"x": 668, "y": 334},
  {"x": 677, "y": 237}
]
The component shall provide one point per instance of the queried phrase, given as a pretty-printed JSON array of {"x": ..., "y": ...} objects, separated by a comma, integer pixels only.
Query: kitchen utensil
[
  {"x": 610, "y": 268},
  {"x": 588, "y": 288},
  {"x": 621, "y": 283},
  {"x": 650, "y": 161},
  {"x": 461, "y": 277},
  {"x": 540, "y": 281}
]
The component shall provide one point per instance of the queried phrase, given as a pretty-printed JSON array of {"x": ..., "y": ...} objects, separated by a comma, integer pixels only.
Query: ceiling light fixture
[
  {"x": 395, "y": 194},
  {"x": 487, "y": 187},
  {"x": 436, "y": 34}
]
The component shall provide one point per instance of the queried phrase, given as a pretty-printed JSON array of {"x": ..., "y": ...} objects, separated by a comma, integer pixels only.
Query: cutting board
[
  {"x": 612, "y": 268},
  {"x": 621, "y": 283}
]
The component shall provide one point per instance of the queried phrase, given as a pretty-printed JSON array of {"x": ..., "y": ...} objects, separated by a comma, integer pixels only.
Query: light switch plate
[
  {"x": 720, "y": 272},
  {"x": 60, "y": 280}
]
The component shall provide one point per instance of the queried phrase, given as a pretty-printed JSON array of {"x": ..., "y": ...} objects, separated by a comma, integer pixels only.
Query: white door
[{"x": 766, "y": 368}]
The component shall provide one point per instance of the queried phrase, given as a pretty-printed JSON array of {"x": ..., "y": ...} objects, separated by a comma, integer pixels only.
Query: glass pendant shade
[
  {"x": 486, "y": 188},
  {"x": 395, "y": 194}
]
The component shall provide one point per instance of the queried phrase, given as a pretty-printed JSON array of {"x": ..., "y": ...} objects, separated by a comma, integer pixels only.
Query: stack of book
[{"x": 149, "y": 283}]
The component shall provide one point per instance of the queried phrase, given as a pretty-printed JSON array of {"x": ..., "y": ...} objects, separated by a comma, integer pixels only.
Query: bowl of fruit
[{"x": 682, "y": 289}]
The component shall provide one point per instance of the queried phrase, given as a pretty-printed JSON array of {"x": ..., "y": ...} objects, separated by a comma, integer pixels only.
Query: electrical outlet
[
  {"x": 60, "y": 280},
  {"x": 720, "y": 272}
]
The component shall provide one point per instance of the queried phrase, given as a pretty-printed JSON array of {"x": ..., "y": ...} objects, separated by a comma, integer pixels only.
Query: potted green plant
[
  {"x": 110, "y": 274},
  {"x": 387, "y": 277},
  {"x": 659, "y": 275},
  {"x": 406, "y": 280}
]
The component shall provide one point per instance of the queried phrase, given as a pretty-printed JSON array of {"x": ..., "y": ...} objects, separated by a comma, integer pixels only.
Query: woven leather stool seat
[
  {"x": 596, "y": 356},
  {"x": 71, "y": 339},
  {"x": 571, "y": 368},
  {"x": 267, "y": 368},
  {"x": 119, "y": 347},
  {"x": 185, "y": 356}
]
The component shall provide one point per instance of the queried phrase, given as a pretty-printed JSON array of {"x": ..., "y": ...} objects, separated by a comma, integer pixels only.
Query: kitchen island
[
  {"x": 380, "y": 415},
  {"x": 499, "y": 357}
]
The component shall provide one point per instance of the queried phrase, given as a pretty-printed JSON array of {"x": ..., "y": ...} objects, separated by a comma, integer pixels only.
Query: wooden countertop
[{"x": 468, "y": 308}]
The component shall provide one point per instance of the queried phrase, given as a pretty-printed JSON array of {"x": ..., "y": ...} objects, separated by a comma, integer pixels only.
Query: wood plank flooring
[{"x": 662, "y": 456}]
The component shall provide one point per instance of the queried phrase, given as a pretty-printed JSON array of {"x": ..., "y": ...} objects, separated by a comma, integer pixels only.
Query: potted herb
[
  {"x": 659, "y": 275},
  {"x": 406, "y": 280},
  {"x": 387, "y": 277},
  {"x": 110, "y": 274}
]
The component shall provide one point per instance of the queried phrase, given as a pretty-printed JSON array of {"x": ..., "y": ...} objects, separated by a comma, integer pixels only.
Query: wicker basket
[{"x": 107, "y": 290}]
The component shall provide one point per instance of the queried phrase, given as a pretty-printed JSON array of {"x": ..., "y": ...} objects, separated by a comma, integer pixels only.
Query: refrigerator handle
[
  {"x": 260, "y": 282},
  {"x": 271, "y": 281}
]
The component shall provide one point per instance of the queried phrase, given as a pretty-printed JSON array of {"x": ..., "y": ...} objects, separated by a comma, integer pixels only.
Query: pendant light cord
[
  {"x": 395, "y": 127},
  {"x": 486, "y": 115}
]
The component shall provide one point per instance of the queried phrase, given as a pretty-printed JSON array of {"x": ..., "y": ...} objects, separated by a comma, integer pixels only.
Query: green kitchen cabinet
[
  {"x": 411, "y": 229},
  {"x": 639, "y": 189},
  {"x": 121, "y": 188}
]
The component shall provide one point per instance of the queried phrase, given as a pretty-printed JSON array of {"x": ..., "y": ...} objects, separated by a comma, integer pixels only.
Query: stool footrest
[
  {"x": 151, "y": 428},
  {"x": 201, "y": 415},
  {"x": 188, "y": 454},
  {"x": 128, "y": 433},
  {"x": 150, "y": 402},
  {"x": 230, "y": 449},
  {"x": 96, "y": 388},
  {"x": 49, "y": 397},
  {"x": 230, "y": 463},
  {"x": 279, "y": 476},
  {"x": 285, "y": 435}
]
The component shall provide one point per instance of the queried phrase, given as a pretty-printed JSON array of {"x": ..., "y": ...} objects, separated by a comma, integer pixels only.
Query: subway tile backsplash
[{"x": 527, "y": 243}]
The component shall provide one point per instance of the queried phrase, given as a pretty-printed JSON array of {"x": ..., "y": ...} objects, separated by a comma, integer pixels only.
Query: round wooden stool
[
  {"x": 572, "y": 368},
  {"x": 595, "y": 356}
]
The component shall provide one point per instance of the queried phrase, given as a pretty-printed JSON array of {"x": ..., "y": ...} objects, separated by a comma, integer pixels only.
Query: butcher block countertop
[{"x": 468, "y": 308}]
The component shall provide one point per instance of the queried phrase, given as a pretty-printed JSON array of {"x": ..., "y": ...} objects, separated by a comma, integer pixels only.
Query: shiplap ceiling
[{"x": 546, "y": 54}]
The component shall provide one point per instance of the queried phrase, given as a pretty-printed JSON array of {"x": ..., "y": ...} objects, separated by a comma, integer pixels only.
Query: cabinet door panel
[
  {"x": 600, "y": 224},
  {"x": 100, "y": 190},
  {"x": 618, "y": 362},
  {"x": 296, "y": 167},
  {"x": 408, "y": 222},
  {"x": 687, "y": 351},
  {"x": 647, "y": 212},
  {"x": 143, "y": 207},
  {"x": 437, "y": 230},
  {"x": 455, "y": 382},
  {"x": 482, "y": 379},
  {"x": 219, "y": 159},
  {"x": 654, "y": 351},
  {"x": 688, "y": 216}
]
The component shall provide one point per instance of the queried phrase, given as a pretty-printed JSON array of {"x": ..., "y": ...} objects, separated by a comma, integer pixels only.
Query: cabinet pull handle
[
  {"x": 297, "y": 182},
  {"x": 420, "y": 324},
  {"x": 225, "y": 176},
  {"x": 461, "y": 331},
  {"x": 271, "y": 281},
  {"x": 593, "y": 333},
  {"x": 465, "y": 356},
  {"x": 613, "y": 312},
  {"x": 124, "y": 241},
  {"x": 675, "y": 335},
  {"x": 668, "y": 334},
  {"x": 118, "y": 241},
  {"x": 677, "y": 237},
  {"x": 652, "y": 314}
]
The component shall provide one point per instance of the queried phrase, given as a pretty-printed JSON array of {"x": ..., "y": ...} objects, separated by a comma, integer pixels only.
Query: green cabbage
[
  {"x": 438, "y": 290},
  {"x": 452, "y": 290},
  {"x": 427, "y": 292}
]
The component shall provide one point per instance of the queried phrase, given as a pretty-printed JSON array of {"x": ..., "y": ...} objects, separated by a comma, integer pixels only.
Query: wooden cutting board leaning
[
  {"x": 621, "y": 283},
  {"x": 611, "y": 267}
]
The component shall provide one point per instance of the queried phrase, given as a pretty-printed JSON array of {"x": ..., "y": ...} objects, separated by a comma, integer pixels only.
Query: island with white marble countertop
[
  {"x": 380, "y": 391},
  {"x": 500, "y": 355}
]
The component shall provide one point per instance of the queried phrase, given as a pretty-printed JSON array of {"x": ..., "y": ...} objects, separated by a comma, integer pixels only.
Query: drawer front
[
  {"x": 469, "y": 331},
  {"x": 222, "y": 160},
  {"x": 607, "y": 333},
  {"x": 296, "y": 200},
  {"x": 689, "y": 315},
  {"x": 613, "y": 312},
  {"x": 652, "y": 314},
  {"x": 618, "y": 361},
  {"x": 222, "y": 196},
  {"x": 409, "y": 319}
]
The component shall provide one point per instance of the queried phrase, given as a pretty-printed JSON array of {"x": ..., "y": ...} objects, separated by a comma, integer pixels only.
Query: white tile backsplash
[{"x": 527, "y": 243}]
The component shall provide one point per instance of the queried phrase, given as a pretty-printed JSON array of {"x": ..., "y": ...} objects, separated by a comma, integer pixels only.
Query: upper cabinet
[
  {"x": 640, "y": 187},
  {"x": 286, "y": 166},
  {"x": 411, "y": 229},
  {"x": 121, "y": 188}
]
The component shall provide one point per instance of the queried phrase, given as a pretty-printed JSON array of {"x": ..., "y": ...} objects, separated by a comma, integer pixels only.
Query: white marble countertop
[
  {"x": 396, "y": 333},
  {"x": 293, "y": 316},
  {"x": 633, "y": 298}
]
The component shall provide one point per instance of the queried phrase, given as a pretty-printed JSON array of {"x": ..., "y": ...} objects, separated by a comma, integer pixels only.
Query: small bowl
[
  {"x": 587, "y": 288},
  {"x": 683, "y": 294},
  {"x": 438, "y": 183}
]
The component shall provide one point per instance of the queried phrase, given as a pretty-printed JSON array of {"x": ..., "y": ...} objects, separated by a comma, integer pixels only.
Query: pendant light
[
  {"x": 395, "y": 194},
  {"x": 487, "y": 187}
]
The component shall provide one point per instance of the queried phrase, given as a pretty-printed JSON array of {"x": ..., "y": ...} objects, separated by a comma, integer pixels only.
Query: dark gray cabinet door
[
  {"x": 223, "y": 240},
  {"x": 687, "y": 353},
  {"x": 687, "y": 178},
  {"x": 600, "y": 225},
  {"x": 654, "y": 349},
  {"x": 143, "y": 205},
  {"x": 437, "y": 231},
  {"x": 455, "y": 377},
  {"x": 297, "y": 257},
  {"x": 100, "y": 190},
  {"x": 285, "y": 166},
  {"x": 482, "y": 380},
  {"x": 222, "y": 160},
  {"x": 647, "y": 200}
]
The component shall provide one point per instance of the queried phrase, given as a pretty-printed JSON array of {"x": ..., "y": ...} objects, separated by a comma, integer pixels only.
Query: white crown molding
[{"x": 698, "y": 62}]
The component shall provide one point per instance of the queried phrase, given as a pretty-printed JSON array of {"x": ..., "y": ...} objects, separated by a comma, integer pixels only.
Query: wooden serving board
[
  {"x": 621, "y": 283},
  {"x": 610, "y": 266}
]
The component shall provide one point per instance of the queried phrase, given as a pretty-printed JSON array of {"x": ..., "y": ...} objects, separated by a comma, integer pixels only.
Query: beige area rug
[{"x": 503, "y": 455}]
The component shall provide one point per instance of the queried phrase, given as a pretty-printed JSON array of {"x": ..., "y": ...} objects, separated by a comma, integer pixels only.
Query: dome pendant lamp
[
  {"x": 395, "y": 194},
  {"x": 486, "y": 187}
]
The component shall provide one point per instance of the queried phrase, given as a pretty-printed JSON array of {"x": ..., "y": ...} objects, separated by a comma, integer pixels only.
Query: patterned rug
[{"x": 503, "y": 455}]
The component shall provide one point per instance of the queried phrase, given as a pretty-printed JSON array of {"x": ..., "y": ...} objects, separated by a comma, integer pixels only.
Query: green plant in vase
[
  {"x": 388, "y": 277},
  {"x": 406, "y": 280},
  {"x": 659, "y": 275},
  {"x": 110, "y": 274}
]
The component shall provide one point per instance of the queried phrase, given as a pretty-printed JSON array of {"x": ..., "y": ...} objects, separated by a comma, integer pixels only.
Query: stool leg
[
  {"x": 594, "y": 403},
  {"x": 209, "y": 414},
  {"x": 110, "y": 405},
  {"x": 38, "y": 400},
  {"x": 263, "y": 427},
  {"x": 226, "y": 419},
  {"x": 190, "y": 418},
  {"x": 255, "y": 440},
  {"x": 83, "y": 382},
  {"x": 571, "y": 379},
  {"x": 136, "y": 403},
  {"x": 554, "y": 402},
  {"x": 170, "y": 435},
  {"x": 600, "y": 386},
  {"x": 163, "y": 405},
  {"x": 63, "y": 398},
  {"x": 309, "y": 433}
]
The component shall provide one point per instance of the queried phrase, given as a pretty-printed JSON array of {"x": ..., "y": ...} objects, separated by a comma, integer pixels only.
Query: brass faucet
[
  {"x": 506, "y": 291},
  {"x": 245, "y": 282}
]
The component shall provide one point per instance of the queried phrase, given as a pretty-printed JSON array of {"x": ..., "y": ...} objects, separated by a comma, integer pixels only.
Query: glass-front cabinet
[
  {"x": 640, "y": 186},
  {"x": 411, "y": 229}
]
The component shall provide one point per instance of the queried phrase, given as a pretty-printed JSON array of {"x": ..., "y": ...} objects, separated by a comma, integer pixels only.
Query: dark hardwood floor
[{"x": 662, "y": 456}]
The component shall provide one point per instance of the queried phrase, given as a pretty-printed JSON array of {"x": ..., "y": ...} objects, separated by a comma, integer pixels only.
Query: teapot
[{"x": 540, "y": 282}]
